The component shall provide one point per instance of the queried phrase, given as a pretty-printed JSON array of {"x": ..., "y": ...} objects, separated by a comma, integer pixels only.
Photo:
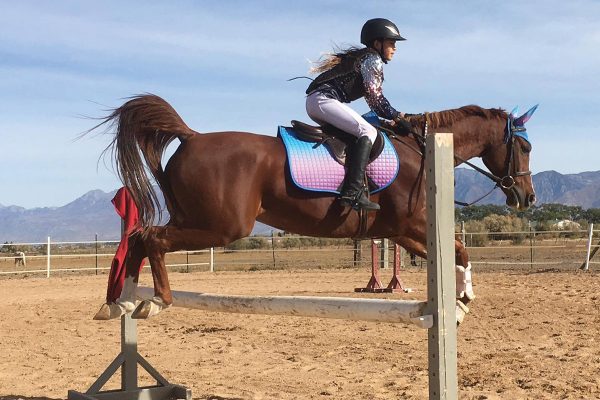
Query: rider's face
[{"x": 389, "y": 48}]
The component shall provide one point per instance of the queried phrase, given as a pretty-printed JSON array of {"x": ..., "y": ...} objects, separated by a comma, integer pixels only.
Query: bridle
[
  {"x": 508, "y": 180},
  {"x": 515, "y": 131}
]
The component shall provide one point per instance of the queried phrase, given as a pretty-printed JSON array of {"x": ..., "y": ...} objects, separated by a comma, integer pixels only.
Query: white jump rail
[{"x": 374, "y": 310}]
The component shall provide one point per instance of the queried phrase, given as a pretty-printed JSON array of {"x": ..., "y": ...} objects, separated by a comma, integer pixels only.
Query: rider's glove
[{"x": 402, "y": 125}]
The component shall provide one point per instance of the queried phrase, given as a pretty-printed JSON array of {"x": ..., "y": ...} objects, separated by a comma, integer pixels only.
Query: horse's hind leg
[
  {"x": 135, "y": 255},
  {"x": 127, "y": 299},
  {"x": 157, "y": 245},
  {"x": 161, "y": 240}
]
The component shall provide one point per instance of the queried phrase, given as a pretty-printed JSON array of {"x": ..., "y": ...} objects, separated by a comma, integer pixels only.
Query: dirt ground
[{"x": 530, "y": 335}]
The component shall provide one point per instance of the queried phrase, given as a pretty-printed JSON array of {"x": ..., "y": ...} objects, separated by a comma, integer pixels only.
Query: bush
[
  {"x": 257, "y": 243},
  {"x": 237, "y": 245},
  {"x": 505, "y": 224},
  {"x": 542, "y": 230},
  {"x": 308, "y": 242},
  {"x": 476, "y": 234},
  {"x": 290, "y": 242}
]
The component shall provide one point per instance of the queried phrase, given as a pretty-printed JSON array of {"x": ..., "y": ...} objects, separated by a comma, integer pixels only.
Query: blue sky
[{"x": 223, "y": 66}]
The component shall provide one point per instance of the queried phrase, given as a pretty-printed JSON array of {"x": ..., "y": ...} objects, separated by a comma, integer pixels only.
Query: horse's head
[{"x": 510, "y": 162}]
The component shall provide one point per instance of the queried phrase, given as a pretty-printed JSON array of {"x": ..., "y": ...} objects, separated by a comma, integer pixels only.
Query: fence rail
[{"x": 553, "y": 249}]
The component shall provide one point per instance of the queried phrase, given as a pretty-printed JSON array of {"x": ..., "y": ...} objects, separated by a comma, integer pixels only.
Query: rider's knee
[{"x": 369, "y": 131}]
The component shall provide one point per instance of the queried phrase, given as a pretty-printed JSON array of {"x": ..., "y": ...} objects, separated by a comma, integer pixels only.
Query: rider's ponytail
[{"x": 330, "y": 60}]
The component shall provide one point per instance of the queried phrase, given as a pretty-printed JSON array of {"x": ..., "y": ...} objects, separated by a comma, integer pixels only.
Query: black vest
[{"x": 345, "y": 78}]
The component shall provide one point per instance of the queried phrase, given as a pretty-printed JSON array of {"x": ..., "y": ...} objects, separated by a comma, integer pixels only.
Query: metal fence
[
  {"x": 564, "y": 250},
  {"x": 253, "y": 253},
  {"x": 559, "y": 249}
]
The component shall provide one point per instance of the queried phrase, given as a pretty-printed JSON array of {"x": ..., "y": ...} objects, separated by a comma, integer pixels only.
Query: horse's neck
[{"x": 471, "y": 141}]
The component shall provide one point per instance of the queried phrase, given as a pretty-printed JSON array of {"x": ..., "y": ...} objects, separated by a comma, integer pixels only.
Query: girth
[{"x": 335, "y": 140}]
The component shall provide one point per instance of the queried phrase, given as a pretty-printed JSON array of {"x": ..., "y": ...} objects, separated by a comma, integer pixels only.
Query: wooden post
[
  {"x": 441, "y": 280},
  {"x": 374, "y": 285},
  {"x": 396, "y": 284}
]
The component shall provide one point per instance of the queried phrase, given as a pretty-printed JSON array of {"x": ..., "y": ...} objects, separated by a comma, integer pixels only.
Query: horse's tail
[{"x": 145, "y": 124}]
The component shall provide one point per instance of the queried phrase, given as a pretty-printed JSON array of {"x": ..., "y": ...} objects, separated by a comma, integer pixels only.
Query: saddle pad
[{"x": 313, "y": 168}]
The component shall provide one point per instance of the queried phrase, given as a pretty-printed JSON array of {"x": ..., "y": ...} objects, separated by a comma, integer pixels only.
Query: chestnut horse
[{"x": 216, "y": 185}]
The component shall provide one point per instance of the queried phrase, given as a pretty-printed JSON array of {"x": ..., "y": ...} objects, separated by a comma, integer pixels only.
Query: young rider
[{"x": 345, "y": 77}]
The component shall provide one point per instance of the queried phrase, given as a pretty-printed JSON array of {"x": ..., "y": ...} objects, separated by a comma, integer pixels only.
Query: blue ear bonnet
[
  {"x": 512, "y": 130},
  {"x": 516, "y": 126}
]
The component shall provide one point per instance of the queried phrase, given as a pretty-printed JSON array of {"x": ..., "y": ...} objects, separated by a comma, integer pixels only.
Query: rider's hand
[
  {"x": 398, "y": 117},
  {"x": 402, "y": 125}
]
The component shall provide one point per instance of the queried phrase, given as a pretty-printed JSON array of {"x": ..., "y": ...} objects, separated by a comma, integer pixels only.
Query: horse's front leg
[
  {"x": 464, "y": 282},
  {"x": 416, "y": 244}
]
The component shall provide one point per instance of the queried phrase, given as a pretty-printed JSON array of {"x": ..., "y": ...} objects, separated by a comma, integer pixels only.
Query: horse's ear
[
  {"x": 525, "y": 117},
  {"x": 514, "y": 112}
]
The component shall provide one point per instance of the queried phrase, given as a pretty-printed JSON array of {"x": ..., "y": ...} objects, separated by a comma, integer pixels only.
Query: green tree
[
  {"x": 556, "y": 212},
  {"x": 591, "y": 215},
  {"x": 477, "y": 213}
]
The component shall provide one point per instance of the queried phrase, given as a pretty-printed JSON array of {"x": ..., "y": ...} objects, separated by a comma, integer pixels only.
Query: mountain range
[
  {"x": 93, "y": 213},
  {"x": 582, "y": 189}
]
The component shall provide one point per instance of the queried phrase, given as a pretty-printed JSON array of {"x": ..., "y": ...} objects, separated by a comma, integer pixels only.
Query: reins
[{"x": 507, "y": 182}]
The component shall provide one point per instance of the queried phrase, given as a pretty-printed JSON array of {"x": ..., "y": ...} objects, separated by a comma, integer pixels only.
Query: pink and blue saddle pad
[{"x": 314, "y": 169}]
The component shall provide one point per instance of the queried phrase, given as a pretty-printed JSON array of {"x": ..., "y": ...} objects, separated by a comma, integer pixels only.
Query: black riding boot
[{"x": 353, "y": 190}]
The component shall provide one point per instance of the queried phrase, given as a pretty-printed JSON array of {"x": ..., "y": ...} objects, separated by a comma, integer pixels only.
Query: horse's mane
[{"x": 449, "y": 117}]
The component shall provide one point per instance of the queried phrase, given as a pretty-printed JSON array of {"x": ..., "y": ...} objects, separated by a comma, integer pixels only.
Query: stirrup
[
  {"x": 353, "y": 200},
  {"x": 368, "y": 205}
]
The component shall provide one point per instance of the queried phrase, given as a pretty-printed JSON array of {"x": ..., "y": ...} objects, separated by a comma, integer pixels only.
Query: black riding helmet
[{"x": 379, "y": 28}]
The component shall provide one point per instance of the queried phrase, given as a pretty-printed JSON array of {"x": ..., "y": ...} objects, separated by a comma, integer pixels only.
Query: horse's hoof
[
  {"x": 142, "y": 311},
  {"x": 148, "y": 308},
  {"x": 461, "y": 311},
  {"x": 109, "y": 311}
]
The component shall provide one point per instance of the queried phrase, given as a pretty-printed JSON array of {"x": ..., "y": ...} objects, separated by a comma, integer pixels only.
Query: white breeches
[{"x": 324, "y": 110}]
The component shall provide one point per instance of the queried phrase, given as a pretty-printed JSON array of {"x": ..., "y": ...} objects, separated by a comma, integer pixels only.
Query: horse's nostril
[{"x": 531, "y": 199}]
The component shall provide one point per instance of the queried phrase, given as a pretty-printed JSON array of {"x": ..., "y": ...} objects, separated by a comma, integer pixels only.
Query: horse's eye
[{"x": 526, "y": 149}]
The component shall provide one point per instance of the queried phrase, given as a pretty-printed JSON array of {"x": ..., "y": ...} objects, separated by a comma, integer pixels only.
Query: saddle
[{"x": 335, "y": 140}]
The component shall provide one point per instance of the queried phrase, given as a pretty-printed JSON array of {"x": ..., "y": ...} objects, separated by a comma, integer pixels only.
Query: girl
[{"x": 345, "y": 77}]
